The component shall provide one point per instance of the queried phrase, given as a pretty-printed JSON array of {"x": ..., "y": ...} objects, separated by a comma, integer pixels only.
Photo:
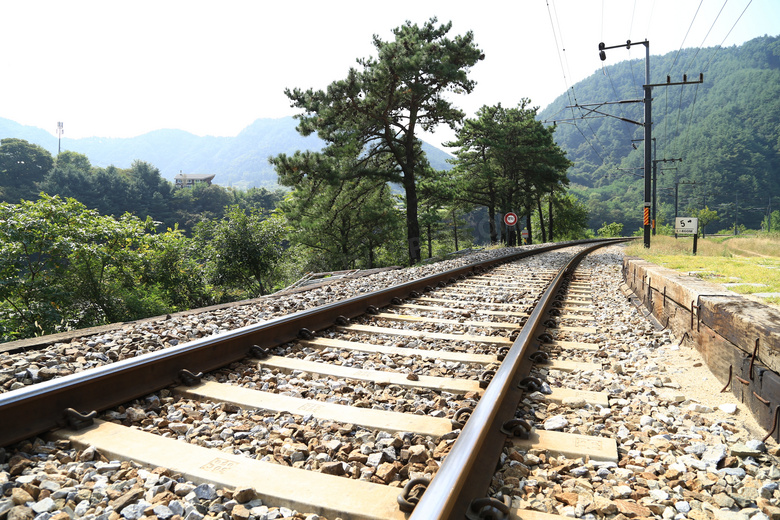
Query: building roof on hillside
[{"x": 195, "y": 176}]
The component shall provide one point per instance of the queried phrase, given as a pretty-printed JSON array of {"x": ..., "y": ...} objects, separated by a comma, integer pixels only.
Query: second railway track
[{"x": 357, "y": 414}]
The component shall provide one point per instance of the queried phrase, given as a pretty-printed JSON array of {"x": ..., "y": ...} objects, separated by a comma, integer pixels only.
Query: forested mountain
[
  {"x": 726, "y": 131},
  {"x": 240, "y": 161}
]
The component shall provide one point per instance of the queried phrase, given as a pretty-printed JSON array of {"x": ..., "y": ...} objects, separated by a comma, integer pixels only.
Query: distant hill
[
  {"x": 240, "y": 161},
  {"x": 726, "y": 131}
]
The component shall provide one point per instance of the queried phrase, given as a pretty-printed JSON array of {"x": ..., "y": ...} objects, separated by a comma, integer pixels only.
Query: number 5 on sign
[{"x": 686, "y": 226}]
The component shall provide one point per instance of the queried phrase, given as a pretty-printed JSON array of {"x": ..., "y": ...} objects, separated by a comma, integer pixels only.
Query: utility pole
[
  {"x": 676, "y": 188},
  {"x": 648, "y": 128},
  {"x": 655, "y": 181},
  {"x": 60, "y": 131},
  {"x": 648, "y": 122}
]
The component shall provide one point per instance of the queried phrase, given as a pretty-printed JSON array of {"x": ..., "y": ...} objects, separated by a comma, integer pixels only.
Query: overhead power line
[
  {"x": 561, "y": 50},
  {"x": 683, "y": 40},
  {"x": 727, "y": 35}
]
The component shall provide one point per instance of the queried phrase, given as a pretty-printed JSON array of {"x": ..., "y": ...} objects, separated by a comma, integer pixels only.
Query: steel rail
[
  {"x": 41, "y": 407},
  {"x": 468, "y": 468}
]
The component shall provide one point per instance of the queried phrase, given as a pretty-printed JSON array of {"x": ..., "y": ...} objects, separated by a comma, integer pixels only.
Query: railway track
[{"x": 399, "y": 404}]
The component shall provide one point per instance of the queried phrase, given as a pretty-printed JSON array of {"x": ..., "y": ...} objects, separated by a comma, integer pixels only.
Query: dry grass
[
  {"x": 753, "y": 263},
  {"x": 754, "y": 246}
]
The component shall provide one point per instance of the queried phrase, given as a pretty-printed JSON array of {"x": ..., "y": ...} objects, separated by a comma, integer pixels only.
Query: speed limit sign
[{"x": 510, "y": 219}]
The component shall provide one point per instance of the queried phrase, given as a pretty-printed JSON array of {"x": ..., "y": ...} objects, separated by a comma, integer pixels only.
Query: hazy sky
[{"x": 121, "y": 69}]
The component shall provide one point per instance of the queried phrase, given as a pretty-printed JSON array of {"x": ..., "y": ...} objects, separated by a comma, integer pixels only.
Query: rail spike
[
  {"x": 486, "y": 377},
  {"x": 516, "y": 428},
  {"x": 489, "y": 508},
  {"x": 188, "y": 378},
  {"x": 77, "y": 420},
  {"x": 412, "y": 493},
  {"x": 545, "y": 337},
  {"x": 530, "y": 384},
  {"x": 540, "y": 356},
  {"x": 460, "y": 417},
  {"x": 258, "y": 352},
  {"x": 306, "y": 334}
]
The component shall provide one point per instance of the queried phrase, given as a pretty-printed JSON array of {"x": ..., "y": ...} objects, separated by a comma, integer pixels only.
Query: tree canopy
[
  {"x": 507, "y": 161},
  {"x": 22, "y": 166},
  {"x": 380, "y": 108},
  {"x": 342, "y": 220}
]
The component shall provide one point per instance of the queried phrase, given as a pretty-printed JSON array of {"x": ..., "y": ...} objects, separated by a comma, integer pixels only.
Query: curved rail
[
  {"x": 467, "y": 470},
  {"x": 35, "y": 409}
]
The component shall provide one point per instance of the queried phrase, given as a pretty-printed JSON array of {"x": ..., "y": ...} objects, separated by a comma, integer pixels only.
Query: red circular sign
[{"x": 510, "y": 219}]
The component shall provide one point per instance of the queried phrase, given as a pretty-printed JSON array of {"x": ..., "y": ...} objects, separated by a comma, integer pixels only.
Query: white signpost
[{"x": 686, "y": 226}]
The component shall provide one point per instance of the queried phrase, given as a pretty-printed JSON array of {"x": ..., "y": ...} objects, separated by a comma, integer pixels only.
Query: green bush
[{"x": 614, "y": 229}]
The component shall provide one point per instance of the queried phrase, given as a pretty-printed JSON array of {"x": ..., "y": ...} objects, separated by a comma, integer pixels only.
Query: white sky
[{"x": 121, "y": 69}]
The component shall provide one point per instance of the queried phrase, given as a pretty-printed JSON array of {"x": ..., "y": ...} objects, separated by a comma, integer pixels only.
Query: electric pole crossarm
[
  {"x": 556, "y": 121},
  {"x": 627, "y": 45},
  {"x": 590, "y": 111},
  {"x": 594, "y": 111},
  {"x": 578, "y": 105},
  {"x": 683, "y": 82},
  {"x": 667, "y": 160}
]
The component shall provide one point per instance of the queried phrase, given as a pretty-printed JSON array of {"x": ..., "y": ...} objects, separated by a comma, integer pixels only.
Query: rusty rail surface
[{"x": 38, "y": 408}]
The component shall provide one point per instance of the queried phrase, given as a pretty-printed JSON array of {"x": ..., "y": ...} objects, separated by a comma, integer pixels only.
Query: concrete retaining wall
[{"x": 738, "y": 338}]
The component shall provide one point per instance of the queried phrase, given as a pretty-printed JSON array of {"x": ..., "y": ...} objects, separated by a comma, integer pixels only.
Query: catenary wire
[
  {"x": 570, "y": 91},
  {"x": 688, "y": 64},
  {"x": 706, "y": 67}
]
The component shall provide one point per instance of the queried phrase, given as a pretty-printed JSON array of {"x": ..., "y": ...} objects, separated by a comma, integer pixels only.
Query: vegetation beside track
[{"x": 751, "y": 262}]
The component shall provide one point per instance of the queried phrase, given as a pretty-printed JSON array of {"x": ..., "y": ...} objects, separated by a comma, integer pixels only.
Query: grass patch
[{"x": 751, "y": 262}]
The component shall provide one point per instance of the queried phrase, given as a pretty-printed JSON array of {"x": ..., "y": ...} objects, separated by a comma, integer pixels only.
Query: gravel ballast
[{"x": 686, "y": 450}]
